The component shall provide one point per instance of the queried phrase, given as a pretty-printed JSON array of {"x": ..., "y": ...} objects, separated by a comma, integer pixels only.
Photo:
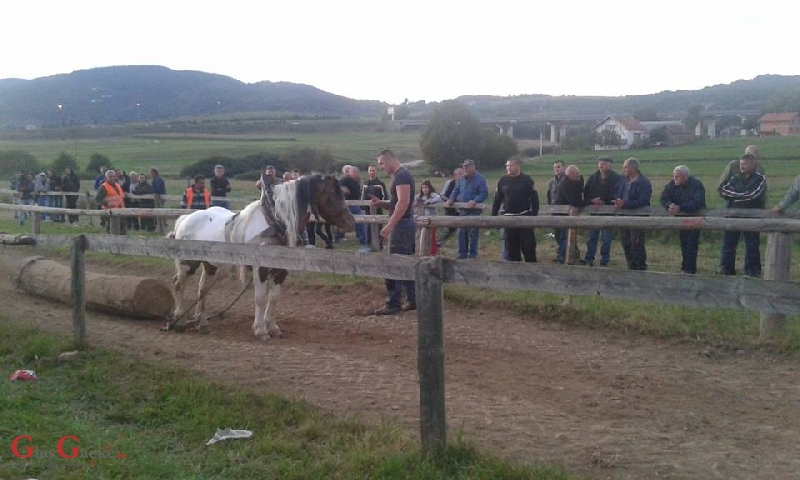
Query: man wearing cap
[
  {"x": 472, "y": 190},
  {"x": 599, "y": 190},
  {"x": 220, "y": 186}
]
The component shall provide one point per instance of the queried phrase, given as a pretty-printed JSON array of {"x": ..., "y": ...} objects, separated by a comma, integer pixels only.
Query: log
[{"x": 118, "y": 294}]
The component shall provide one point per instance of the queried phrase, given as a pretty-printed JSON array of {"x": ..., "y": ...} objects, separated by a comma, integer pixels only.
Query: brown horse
[{"x": 278, "y": 218}]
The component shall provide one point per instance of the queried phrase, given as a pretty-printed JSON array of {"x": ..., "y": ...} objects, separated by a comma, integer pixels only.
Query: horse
[{"x": 279, "y": 217}]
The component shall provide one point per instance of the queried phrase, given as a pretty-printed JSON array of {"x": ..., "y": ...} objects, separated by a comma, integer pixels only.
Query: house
[
  {"x": 668, "y": 132},
  {"x": 618, "y": 133},
  {"x": 779, "y": 124}
]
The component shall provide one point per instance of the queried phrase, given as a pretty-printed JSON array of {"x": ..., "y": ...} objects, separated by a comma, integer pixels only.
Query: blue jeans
[
  {"x": 361, "y": 230},
  {"x": 402, "y": 242},
  {"x": 752, "y": 253},
  {"x": 221, "y": 203},
  {"x": 468, "y": 236},
  {"x": 43, "y": 201},
  {"x": 23, "y": 215},
  {"x": 605, "y": 247}
]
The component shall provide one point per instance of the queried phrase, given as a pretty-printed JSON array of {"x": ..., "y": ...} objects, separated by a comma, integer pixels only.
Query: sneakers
[
  {"x": 364, "y": 249},
  {"x": 387, "y": 310},
  {"x": 409, "y": 306}
]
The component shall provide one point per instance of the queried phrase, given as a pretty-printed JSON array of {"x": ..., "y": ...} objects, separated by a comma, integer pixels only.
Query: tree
[
  {"x": 97, "y": 160},
  {"x": 13, "y": 161},
  {"x": 609, "y": 138},
  {"x": 646, "y": 114},
  {"x": 62, "y": 161},
  {"x": 452, "y": 134},
  {"x": 692, "y": 117},
  {"x": 497, "y": 149}
]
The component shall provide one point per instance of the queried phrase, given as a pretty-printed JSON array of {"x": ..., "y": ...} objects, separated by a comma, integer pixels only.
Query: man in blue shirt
[
  {"x": 633, "y": 192},
  {"x": 472, "y": 190}
]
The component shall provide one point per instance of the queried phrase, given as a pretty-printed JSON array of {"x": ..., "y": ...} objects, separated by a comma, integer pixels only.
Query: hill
[{"x": 123, "y": 94}]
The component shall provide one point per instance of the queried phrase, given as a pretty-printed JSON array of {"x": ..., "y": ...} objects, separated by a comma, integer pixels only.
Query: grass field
[{"x": 153, "y": 422}]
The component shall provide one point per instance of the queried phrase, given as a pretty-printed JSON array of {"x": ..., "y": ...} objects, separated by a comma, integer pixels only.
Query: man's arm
[
  {"x": 791, "y": 196},
  {"x": 726, "y": 174},
  {"x": 498, "y": 200},
  {"x": 483, "y": 191},
  {"x": 666, "y": 198}
]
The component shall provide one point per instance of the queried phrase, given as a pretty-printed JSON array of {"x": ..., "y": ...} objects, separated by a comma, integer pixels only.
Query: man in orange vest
[
  {"x": 110, "y": 196},
  {"x": 197, "y": 197}
]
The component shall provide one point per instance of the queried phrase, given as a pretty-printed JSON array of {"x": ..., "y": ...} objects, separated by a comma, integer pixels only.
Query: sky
[{"x": 420, "y": 50}]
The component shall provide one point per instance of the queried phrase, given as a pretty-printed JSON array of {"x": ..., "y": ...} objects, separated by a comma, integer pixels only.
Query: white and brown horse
[{"x": 278, "y": 218}]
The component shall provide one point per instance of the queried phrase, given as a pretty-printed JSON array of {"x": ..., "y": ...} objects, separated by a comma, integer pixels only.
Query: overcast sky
[{"x": 420, "y": 50}]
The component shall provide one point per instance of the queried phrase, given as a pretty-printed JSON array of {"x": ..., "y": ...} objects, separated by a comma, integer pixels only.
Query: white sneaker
[{"x": 311, "y": 246}]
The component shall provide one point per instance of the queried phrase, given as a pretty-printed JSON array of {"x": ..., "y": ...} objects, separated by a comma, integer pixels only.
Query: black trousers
[
  {"x": 633, "y": 246},
  {"x": 690, "y": 240},
  {"x": 72, "y": 202},
  {"x": 520, "y": 242}
]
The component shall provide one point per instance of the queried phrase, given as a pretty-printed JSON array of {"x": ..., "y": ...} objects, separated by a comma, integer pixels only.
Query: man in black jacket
[
  {"x": 569, "y": 192},
  {"x": 71, "y": 183},
  {"x": 685, "y": 194},
  {"x": 599, "y": 190},
  {"x": 748, "y": 189},
  {"x": 516, "y": 196}
]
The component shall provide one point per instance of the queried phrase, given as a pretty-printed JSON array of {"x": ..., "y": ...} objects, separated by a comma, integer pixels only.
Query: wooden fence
[{"x": 774, "y": 297}]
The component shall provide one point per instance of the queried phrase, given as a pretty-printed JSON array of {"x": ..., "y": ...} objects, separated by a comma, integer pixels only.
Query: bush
[
  {"x": 233, "y": 166},
  {"x": 97, "y": 160},
  {"x": 12, "y": 161},
  {"x": 62, "y": 161},
  {"x": 497, "y": 149}
]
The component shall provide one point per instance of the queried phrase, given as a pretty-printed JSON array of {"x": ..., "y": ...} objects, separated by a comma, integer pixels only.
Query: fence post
[
  {"x": 36, "y": 222},
  {"x": 78, "y": 287},
  {"x": 116, "y": 224},
  {"x": 572, "y": 255},
  {"x": 424, "y": 241},
  {"x": 778, "y": 261},
  {"x": 374, "y": 231},
  {"x": 430, "y": 352}
]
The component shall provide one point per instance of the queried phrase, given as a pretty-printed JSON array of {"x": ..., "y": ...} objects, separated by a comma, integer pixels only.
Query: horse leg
[
  {"x": 209, "y": 272},
  {"x": 277, "y": 277},
  {"x": 261, "y": 288}
]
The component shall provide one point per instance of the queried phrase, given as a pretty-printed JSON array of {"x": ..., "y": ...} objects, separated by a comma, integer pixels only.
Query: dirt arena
[{"x": 603, "y": 403}]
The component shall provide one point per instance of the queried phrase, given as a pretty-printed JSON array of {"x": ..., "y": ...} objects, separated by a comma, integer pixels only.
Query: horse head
[{"x": 326, "y": 200}]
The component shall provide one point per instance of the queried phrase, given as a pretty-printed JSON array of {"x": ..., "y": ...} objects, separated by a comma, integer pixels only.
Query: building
[
  {"x": 619, "y": 133},
  {"x": 779, "y": 124}
]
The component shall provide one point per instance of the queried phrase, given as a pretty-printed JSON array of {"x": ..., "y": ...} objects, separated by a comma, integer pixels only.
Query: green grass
[{"x": 161, "y": 418}]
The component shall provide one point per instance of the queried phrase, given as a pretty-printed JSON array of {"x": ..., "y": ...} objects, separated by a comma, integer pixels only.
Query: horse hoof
[
  {"x": 262, "y": 336},
  {"x": 276, "y": 333}
]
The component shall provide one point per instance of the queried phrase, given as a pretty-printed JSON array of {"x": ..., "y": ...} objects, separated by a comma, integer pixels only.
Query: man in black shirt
[
  {"x": 599, "y": 190},
  {"x": 373, "y": 187},
  {"x": 516, "y": 196},
  {"x": 351, "y": 186},
  {"x": 401, "y": 227},
  {"x": 220, "y": 186}
]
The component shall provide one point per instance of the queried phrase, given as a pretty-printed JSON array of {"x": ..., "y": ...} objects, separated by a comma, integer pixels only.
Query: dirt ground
[{"x": 603, "y": 403}]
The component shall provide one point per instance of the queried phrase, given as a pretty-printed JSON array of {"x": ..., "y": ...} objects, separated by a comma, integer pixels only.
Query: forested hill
[
  {"x": 122, "y": 94},
  {"x": 765, "y": 93}
]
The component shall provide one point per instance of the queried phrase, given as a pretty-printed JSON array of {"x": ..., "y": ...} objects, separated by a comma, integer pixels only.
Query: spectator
[
  {"x": 685, "y": 194},
  {"x": 55, "y": 201},
  {"x": 447, "y": 192},
  {"x": 516, "y": 196},
  {"x": 790, "y": 197},
  {"x": 220, "y": 187},
  {"x": 599, "y": 190},
  {"x": 41, "y": 185},
  {"x": 747, "y": 189},
  {"x": 197, "y": 197},
  {"x": 570, "y": 192},
  {"x": 71, "y": 183},
  {"x": 100, "y": 178},
  {"x": 373, "y": 187},
  {"x": 351, "y": 186},
  {"x": 268, "y": 178},
  {"x": 287, "y": 177},
  {"x": 110, "y": 196},
  {"x": 423, "y": 202},
  {"x": 160, "y": 192},
  {"x": 130, "y": 201},
  {"x": 143, "y": 188},
  {"x": 401, "y": 227},
  {"x": 633, "y": 192},
  {"x": 733, "y": 166},
  {"x": 552, "y": 195},
  {"x": 472, "y": 190},
  {"x": 25, "y": 190}
]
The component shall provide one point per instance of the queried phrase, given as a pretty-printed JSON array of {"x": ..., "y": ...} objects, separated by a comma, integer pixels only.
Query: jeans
[
  {"x": 690, "y": 239},
  {"x": 752, "y": 253},
  {"x": 72, "y": 202},
  {"x": 23, "y": 215},
  {"x": 361, "y": 231},
  {"x": 221, "y": 203},
  {"x": 42, "y": 201},
  {"x": 402, "y": 242},
  {"x": 58, "y": 202},
  {"x": 633, "y": 245},
  {"x": 468, "y": 236},
  {"x": 503, "y": 249},
  {"x": 605, "y": 247}
]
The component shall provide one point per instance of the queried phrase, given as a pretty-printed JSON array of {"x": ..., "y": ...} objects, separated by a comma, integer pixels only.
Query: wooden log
[
  {"x": 430, "y": 352},
  {"x": 778, "y": 262},
  {"x": 78, "y": 287},
  {"x": 374, "y": 231},
  {"x": 36, "y": 223},
  {"x": 6, "y": 239},
  {"x": 118, "y": 294}
]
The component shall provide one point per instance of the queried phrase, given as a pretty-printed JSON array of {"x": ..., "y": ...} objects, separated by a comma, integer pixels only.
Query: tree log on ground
[{"x": 118, "y": 294}]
